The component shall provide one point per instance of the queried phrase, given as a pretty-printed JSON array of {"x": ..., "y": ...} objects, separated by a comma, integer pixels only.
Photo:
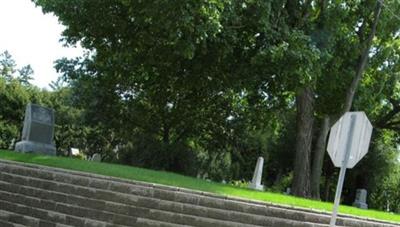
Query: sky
[{"x": 32, "y": 37}]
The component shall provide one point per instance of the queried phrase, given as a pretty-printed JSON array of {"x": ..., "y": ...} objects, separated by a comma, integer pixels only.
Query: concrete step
[
  {"x": 104, "y": 218},
  {"x": 144, "y": 201},
  {"x": 66, "y": 209},
  {"x": 161, "y": 197},
  {"x": 231, "y": 218},
  {"x": 36, "y": 198},
  {"x": 9, "y": 224},
  {"x": 47, "y": 216},
  {"x": 8, "y": 218}
]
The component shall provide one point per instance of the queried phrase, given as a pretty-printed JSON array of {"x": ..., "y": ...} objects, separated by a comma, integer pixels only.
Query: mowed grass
[{"x": 172, "y": 179}]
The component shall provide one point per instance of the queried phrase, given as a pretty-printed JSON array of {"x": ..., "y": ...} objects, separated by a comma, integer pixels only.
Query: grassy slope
[{"x": 173, "y": 179}]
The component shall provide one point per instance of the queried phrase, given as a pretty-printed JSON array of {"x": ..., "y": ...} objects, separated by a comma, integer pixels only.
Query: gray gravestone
[
  {"x": 38, "y": 131},
  {"x": 361, "y": 199},
  {"x": 256, "y": 182},
  {"x": 96, "y": 157}
]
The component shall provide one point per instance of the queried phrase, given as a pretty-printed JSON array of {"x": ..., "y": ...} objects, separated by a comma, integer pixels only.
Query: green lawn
[{"x": 173, "y": 179}]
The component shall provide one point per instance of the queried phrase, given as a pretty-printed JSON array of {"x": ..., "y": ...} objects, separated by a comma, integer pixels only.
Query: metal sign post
[{"x": 343, "y": 171}]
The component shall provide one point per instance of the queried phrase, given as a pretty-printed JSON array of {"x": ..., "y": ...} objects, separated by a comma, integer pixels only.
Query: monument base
[
  {"x": 26, "y": 146},
  {"x": 360, "y": 205},
  {"x": 258, "y": 187}
]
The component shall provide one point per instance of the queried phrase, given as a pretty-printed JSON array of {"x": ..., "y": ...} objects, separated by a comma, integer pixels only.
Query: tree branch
[
  {"x": 386, "y": 118},
  {"x": 362, "y": 62}
]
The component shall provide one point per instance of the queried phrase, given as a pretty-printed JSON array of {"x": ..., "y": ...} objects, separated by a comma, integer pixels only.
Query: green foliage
[
  {"x": 283, "y": 183},
  {"x": 7, "y": 66},
  {"x": 386, "y": 195},
  {"x": 16, "y": 92},
  {"x": 13, "y": 98},
  {"x": 8, "y": 132},
  {"x": 163, "y": 75},
  {"x": 206, "y": 87},
  {"x": 381, "y": 165},
  {"x": 240, "y": 183}
]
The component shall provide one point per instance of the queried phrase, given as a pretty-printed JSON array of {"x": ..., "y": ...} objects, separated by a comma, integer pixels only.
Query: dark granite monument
[{"x": 38, "y": 131}]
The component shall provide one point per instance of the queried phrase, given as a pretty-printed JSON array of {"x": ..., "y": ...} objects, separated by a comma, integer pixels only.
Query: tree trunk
[
  {"x": 305, "y": 118},
  {"x": 328, "y": 180},
  {"x": 362, "y": 61},
  {"x": 318, "y": 159},
  {"x": 360, "y": 68}
]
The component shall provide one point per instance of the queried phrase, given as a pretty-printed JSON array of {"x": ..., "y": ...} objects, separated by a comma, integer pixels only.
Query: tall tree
[
  {"x": 8, "y": 66},
  {"x": 316, "y": 20},
  {"x": 365, "y": 34},
  {"x": 166, "y": 70}
]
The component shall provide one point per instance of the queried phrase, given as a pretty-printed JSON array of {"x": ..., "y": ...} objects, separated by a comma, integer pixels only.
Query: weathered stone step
[
  {"x": 173, "y": 208},
  {"x": 152, "y": 223},
  {"x": 9, "y": 224},
  {"x": 74, "y": 210},
  {"x": 51, "y": 216},
  {"x": 146, "y": 193},
  {"x": 225, "y": 213},
  {"x": 66, "y": 209},
  {"x": 38, "y": 200},
  {"x": 26, "y": 220},
  {"x": 8, "y": 218},
  {"x": 184, "y": 196}
]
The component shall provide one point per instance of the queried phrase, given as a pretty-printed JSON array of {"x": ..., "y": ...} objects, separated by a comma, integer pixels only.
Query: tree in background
[
  {"x": 13, "y": 98},
  {"x": 163, "y": 75},
  {"x": 16, "y": 92},
  {"x": 204, "y": 87}
]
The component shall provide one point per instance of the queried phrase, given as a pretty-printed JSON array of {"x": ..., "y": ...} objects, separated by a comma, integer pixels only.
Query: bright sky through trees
[{"x": 32, "y": 38}]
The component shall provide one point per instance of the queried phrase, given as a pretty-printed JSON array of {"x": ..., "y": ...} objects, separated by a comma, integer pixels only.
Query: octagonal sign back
[{"x": 340, "y": 133}]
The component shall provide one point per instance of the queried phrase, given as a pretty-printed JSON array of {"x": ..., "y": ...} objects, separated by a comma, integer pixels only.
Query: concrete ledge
[
  {"x": 27, "y": 146},
  {"x": 179, "y": 194},
  {"x": 194, "y": 206}
]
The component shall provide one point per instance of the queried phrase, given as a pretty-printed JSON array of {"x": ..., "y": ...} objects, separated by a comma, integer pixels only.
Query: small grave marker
[
  {"x": 361, "y": 199},
  {"x": 12, "y": 144},
  {"x": 96, "y": 157},
  {"x": 74, "y": 151}
]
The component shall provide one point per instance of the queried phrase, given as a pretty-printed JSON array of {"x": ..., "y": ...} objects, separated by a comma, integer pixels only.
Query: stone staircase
[{"x": 32, "y": 195}]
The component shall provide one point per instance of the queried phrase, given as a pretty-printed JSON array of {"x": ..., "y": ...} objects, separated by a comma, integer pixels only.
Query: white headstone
[
  {"x": 74, "y": 151},
  {"x": 96, "y": 157},
  {"x": 361, "y": 199},
  {"x": 257, "y": 176},
  {"x": 12, "y": 144},
  {"x": 38, "y": 131}
]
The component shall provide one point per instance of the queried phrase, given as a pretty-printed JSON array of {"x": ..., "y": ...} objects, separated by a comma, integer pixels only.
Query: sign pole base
[{"x": 337, "y": 196}]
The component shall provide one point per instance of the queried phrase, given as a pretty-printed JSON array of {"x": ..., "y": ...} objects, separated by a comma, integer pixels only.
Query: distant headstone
[
  {"x": 12, "y": 144},
  {"x": 96, "y": 157},
  {"x": 38, "y": 131},
  {"x": 288, "y": 191},
  {"x": 361, "y": 199},
  {"x": 256, "y": 182},
  {"x": 74, "y": 151}
]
